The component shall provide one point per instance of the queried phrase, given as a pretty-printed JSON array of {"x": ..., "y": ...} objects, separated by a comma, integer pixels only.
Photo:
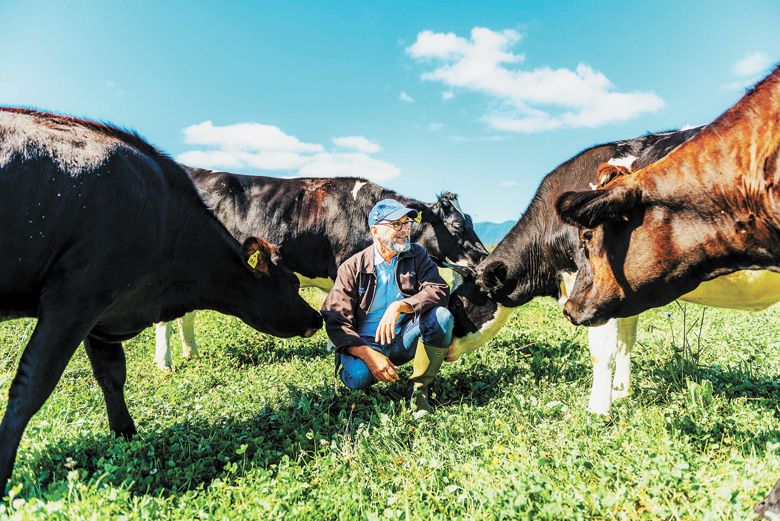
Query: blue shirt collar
[{"x": 378, "y": 259}]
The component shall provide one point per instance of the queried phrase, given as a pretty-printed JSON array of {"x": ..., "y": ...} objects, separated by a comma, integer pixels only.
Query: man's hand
[
  {"x": 380, "y": 366},
  {"x": 385, "y": 331}
]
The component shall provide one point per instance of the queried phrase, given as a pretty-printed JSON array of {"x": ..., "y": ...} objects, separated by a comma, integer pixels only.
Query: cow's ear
[
  {"x": 606, "y": 173},
  {"x": 595, "y": 207},
  {"x": 421, "y": 208},
  {"x": 257, "y": 253}
]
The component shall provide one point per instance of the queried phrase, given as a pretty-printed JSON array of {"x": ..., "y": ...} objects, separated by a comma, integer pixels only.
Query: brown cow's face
[{"x": 636, "y": 256}]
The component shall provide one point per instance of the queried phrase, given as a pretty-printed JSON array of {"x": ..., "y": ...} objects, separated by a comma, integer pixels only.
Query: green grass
[{"x": 256, "y": 429}]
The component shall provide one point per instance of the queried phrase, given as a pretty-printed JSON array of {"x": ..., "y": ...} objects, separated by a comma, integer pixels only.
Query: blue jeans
[{"x": 434, "y": 327}]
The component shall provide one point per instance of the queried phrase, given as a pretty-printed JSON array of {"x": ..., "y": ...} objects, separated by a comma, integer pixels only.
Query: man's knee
[
  {"x": 355, "y": 374},
  {"x": 436, "y": 327}
]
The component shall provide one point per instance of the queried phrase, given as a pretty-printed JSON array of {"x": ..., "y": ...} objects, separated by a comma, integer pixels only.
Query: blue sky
[{"x": 480, "y": 98}]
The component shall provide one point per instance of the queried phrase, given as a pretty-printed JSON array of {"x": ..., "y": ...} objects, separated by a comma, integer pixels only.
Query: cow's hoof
[
  {"x": 620, "y": 394},
  {"x": 126, "y": 433},
  {"x": 164, "y": 366},
  {"x": 600, "y": 409}
]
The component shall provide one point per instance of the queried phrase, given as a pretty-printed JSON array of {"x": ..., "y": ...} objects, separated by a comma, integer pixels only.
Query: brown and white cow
[{"x": 708, "y": 208}]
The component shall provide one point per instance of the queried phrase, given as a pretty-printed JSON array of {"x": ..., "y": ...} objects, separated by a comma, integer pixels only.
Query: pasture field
[{"x": 256, "y": 429}]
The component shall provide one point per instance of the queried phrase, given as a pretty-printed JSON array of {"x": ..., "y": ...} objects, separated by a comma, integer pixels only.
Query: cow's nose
[{"x": 568, "y": 313}]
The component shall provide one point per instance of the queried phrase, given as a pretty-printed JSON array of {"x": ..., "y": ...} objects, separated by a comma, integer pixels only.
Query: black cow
[
  {"x": 319, "y": 223},
  {"x": 102, "y": 236},
  {"x": 540, "y": 250}
]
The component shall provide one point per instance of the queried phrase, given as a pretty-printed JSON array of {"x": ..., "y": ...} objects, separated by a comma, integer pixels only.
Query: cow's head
[
  {"x": 449, "y": 234},
  {"x": 640, "y": 248},
  {"x": 278, "y": 307}
]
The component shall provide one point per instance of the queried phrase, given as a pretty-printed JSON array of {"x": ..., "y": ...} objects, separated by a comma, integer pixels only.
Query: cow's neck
[
  {"x": 206, "y": 287},
  {"x": 538, "y": 253},
  {"x": 728, "y": 175}
]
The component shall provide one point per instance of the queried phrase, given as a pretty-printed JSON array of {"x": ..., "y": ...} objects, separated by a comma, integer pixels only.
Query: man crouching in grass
[{"x": 385, "y": 299}]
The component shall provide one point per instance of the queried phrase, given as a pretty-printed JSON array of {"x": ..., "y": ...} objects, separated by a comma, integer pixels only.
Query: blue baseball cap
[{"x": 389, "y": 210}]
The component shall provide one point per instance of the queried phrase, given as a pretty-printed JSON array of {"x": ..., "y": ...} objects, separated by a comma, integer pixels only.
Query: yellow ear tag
[
  {"x": 252, "y": 260},
  {"x": 419, "y": 217}
]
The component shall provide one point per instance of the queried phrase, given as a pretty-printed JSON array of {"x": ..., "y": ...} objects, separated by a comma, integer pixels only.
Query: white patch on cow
[
  {"x": 608, "y": 343},
  {"x": 325, "y": 284},
  {"x": 751, "y": 290},
  {"x": 357, "y": 187},
  {"x": 163, "y": 357},
  {"x": 625, "y": 161},
  {"x": 602, "y": 341},
  {"x": 470, "y": 342},
  {"x": 73, "y": 147},
  {"x": 567, "y": 284},
  {"x": 163, "y": 347}
]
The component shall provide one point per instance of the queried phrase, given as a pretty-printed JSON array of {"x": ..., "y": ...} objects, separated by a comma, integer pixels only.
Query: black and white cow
[
  {"x": 540, "y": 256},
  {"x": 102, "y": 236},
  {"x": 319, "y": 223}
]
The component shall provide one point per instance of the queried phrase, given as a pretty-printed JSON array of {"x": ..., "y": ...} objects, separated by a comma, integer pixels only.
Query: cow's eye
[{"x": 587, "y": 235}]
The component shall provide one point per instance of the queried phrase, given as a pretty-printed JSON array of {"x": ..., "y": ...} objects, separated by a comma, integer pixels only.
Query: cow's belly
[
  {"x": 470, "y": 342},
  {"x": 323, "y": 283},
  {"x": 751, "y": 290}
]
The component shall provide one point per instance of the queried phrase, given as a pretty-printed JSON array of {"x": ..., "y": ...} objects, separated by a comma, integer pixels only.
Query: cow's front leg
[
  {"x": 602, "y": 341},
  {"x": 108, "y": 366},
  {"x": 48, "y": 351},
  {"x": 162, "y": 356},
  {"x": 771, "y": 504},
  {"x": 626, "y": 337},
  {"x": 187, "y": 333}
]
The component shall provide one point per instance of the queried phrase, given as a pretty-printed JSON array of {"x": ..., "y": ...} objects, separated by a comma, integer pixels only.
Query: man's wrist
[
  {"x": 358, "y": 351},
  {"x": 404, "y": 307}
]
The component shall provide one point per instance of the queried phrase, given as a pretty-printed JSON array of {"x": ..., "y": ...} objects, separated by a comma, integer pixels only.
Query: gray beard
[{"x": 394, "y": 246}]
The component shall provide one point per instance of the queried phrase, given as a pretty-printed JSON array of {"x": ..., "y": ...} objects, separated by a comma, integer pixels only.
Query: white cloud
[
  {"x": 438, "y": 45},
  {"x": 358, "y": 143},
  {"x": 534, "y": 100},
  {"x": 349, "y": 164},
  {"x": 752, "y": 64},
  {"x": 249, "y": 136},
  {"x": 447, "y": 95},
  {"x": 749, "y": 69},
  {"x": 267, "y": 147},
  {"x": 405, "y": 97}
]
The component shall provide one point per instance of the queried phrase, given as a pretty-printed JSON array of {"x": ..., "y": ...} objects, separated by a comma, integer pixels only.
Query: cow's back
[{"x": 79, "y": 201}]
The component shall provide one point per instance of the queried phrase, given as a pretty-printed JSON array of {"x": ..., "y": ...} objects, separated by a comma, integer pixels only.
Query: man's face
[{"x": 393, "y": 235}]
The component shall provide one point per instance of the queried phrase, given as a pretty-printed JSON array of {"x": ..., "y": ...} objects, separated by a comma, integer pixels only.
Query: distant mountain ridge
[{"x": 492, "y": 233}]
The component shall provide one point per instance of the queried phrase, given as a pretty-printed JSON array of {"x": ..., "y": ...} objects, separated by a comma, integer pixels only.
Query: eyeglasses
[{"x": 398, "y": 225}]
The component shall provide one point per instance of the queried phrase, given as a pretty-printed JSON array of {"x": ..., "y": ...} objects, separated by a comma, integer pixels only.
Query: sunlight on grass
[{"x": 256, "y": 429}]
